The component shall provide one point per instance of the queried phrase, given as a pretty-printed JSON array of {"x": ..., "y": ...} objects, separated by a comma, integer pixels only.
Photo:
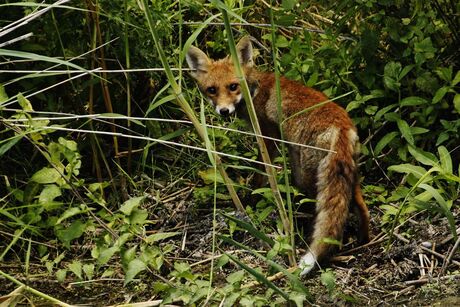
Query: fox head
[{"x": 217, "y": 79}]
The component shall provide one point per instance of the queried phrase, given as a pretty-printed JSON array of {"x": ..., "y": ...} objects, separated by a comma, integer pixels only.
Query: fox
[{"x": 329, "y": 176}]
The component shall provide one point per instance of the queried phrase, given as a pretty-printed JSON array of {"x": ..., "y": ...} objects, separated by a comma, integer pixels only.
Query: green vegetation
[{"x": 108, "y": 152}]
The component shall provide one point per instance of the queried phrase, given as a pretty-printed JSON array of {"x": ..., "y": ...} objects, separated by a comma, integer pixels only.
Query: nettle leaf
[
  {"x": 69, "y": 213},
  {"x": 391, "y": 75},
  {"x": 106, "y": 253},
  {"x": 161, "y": 236},
  {"x": 49, "y": 193},
  {"x": 328, "y": 280},
  {"x": 405, "y": 131},
  {"x": 74, "y": 231},
  {"x": 130, "y": 204},
  {"x": 46, "y": 175},
  {"x": 76, "y": 268},
  {"x": 134, "y": 267},
  {"x": 236, "y": 277}
]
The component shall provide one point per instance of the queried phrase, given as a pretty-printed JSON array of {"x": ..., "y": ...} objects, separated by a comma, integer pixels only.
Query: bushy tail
[{"x": 336, "y": 179}]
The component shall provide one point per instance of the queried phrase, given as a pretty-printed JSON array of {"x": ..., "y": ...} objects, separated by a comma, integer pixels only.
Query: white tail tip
[{"x": 307, "y": 263}]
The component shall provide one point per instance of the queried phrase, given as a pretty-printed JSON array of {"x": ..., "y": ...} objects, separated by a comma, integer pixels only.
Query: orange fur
[{"x": 331, "y": 177}]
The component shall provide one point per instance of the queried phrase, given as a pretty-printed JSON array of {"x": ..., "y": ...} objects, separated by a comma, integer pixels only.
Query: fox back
[{"x": 331, "y": 175}]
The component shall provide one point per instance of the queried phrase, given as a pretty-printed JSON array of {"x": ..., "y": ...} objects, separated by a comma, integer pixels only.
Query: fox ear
[
  {"x": 197, "y": 60},
  {"x": 244, "y": 49}
]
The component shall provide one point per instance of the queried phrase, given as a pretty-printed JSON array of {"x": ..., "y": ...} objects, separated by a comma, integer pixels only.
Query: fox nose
[{"x": 224, "y": 112}]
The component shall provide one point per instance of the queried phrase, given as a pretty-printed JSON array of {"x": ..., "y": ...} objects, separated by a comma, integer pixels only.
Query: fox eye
[
  {"x": 233, "y": 87},
  {"x": 211, "y": 90}
]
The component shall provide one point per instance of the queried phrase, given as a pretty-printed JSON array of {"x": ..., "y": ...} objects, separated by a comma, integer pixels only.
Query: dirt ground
[{"x": 412, "y": 272}]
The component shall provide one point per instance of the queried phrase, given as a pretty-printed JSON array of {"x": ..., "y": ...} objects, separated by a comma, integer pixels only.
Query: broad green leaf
[
  {"x": 134, "y": 267},
  {"x": 9, "y": 144},
  {"x": 76, "y": 268},
  {"x": 24, "y": 102},
  {"x": 89, "y": 270},
  {"x": 49, "y": 193},
  {"x": 456, "y": 79},
  {"x": 328, "y": 280},
  {"x": 413, "y": 101},
  {"x": 445, "y": 158},
  {"x": 457, "y": 103},
  {"x": 130, "y": 204},
  {"x": 106, "y": 253},
  {"x": 209, "y": 176},
  {"x": 46, "y": 175},
  {"x": 235, "y": 277},
  {"x": 405, "y": 131},
  {"x": 61, "y": 275},
  {"x": 423, "y": 157},
  {"x": 3, "y": 95},
  {"x": 161, "y": 236},
  {"x": 69, "y": 213},
  {"x": 440, "y": 93},
  {"x": 391, "y": 75},
  {"x": 74, "y": 231},
  {"x": 384, "y": 142},
  {"x": 417, "y": 171}
]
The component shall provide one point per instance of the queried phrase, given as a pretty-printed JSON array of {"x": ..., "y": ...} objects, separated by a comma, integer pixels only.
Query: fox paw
[{"x": 307, "y": 263}]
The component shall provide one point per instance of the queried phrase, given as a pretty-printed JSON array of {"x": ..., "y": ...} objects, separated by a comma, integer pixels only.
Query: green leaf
[
  {"x": 405, "y": 131},
  {"x": 445, "y": 158},
  {"x": 61, "y": 274},
  {"x": 9, "y": 144},
  {"x": 423, "y": 157},
  {"x": 288, "y": 4},
  {"x": 328, "y": 280},
  {"x": 413, "y": 101},
  {"x": 130, "y": 204},
  {"x": 49, "y": 193},
  {"x": 440, "y": 93},
  {"x": 46, "y": 175},
  {"x": 415, "y": 170},
  {"x": 72, "y": 211},
  {"x": 456, "y": 79},
  {"x": 391, "y": 75},
  {"x": 134, "y": 267},
  {"x": 76, "y": 268},
  {"x": 235, "y": 277},
  {"x": 456, "y": 104},
  {"x": 3, "y": 95},
  {"x": 74, "y": 231},
  {"x": 161, "y": 236},
  {"x": 209, "y": 176},
  {"x": 384, "y": 142},
  {"x": 24, "y": 102},
  {"x": 89, "y": 270},
  {"x": 107, "y": 253}
]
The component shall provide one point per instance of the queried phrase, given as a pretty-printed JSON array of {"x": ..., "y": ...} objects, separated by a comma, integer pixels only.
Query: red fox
[{"x": 331, "y": 177}]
